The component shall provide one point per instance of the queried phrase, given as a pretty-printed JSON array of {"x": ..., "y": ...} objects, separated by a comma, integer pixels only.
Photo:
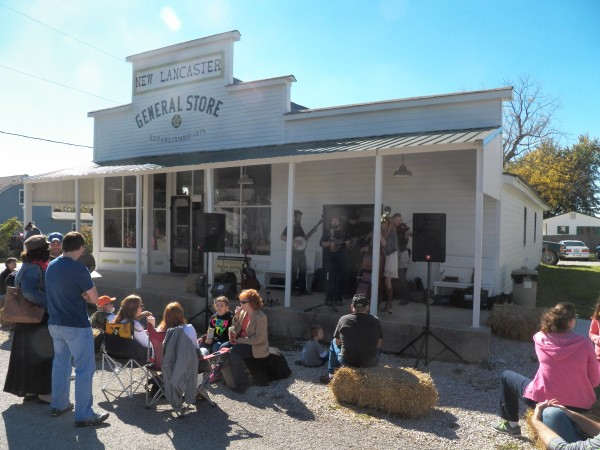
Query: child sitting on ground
[
  {"x": 313, "y": 354},
  {"x": 219, "y": 323}
]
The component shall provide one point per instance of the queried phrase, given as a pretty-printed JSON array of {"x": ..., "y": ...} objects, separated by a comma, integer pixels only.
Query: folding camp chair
[
  {"x": 121, "y": 355},
  {"x": 212, "y": 364},
  {"x": 154, "y": 383}
]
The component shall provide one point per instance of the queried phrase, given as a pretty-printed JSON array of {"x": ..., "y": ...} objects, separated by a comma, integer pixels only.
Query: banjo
[{"x": 299, "y": 244}]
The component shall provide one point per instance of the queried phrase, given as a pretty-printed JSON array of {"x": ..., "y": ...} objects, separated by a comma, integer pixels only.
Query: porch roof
[{"x": 155, "y": 163}]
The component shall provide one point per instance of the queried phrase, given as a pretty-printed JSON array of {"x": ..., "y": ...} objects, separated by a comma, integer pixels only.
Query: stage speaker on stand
[
  {"x": 429, "y": 237},
  {"x": 212, "y": 232}
]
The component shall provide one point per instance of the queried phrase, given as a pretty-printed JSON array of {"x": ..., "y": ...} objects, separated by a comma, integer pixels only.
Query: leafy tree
[
  {"x": 528, "y": 118},
  {"x": 565, "y": 178},
  {"x": 9, "y": 246},
  {"x": 86, "y": 231}
]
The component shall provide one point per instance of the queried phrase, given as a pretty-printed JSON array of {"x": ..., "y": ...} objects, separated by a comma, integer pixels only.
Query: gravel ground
[{"x": 297, "y": 413}]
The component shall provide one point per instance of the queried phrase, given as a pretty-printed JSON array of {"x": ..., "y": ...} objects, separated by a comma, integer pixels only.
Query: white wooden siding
[
  {"x": 572, "y": 220},
  {"x": 247, "y": 118},
  {"x": 513, "y": 254},
  {"x": 344, "y": 123},
  {"x": 441, "y": 183}
]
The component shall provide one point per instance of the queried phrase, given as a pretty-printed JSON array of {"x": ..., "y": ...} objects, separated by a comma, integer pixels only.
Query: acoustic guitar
[{"x": 300, "y": 242}]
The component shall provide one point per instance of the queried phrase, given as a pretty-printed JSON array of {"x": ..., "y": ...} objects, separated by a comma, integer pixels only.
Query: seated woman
[
  {"x": 131, "y": 306},
  {"x": 173, "y": 317},
  {"x": 250, "y": 338},
  {"x": 567, "y": 374}
]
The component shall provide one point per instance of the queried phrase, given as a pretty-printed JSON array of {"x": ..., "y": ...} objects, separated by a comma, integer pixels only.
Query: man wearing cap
[
  {"x": 298, "y": 255},
  {"x": 55, "y": 238},
  {"x": 69, "y": 288},
  {"x": 357, "y": 339}
]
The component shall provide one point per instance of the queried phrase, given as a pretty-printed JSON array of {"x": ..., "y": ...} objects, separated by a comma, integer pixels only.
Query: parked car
[
  {"x": 598, "y": 252},
  {"x": 575, "y": 250},
  {"x": 551, "y": 252}
]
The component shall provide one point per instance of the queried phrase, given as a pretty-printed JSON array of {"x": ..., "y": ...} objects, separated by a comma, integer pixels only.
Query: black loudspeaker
[
  {"x": 429, "y": 237},
  {"x": 224, "y": 288},
  {"x": 212, "y": 232}
]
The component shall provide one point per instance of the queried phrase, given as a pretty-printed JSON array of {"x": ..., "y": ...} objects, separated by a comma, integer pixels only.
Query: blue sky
[{"x": 341, "y": 52}]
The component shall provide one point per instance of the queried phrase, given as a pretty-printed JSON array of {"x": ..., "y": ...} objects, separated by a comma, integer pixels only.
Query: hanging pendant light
[
  {"x": 245, "y": 179},
  {"x": 402, "y": 170}
]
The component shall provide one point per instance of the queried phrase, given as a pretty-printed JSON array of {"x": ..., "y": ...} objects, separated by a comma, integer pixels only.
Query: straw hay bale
[
  {"x": 515, "y": 322},
  {"x": 536, "y": 440},
  {"x": 400, "y": 391}
]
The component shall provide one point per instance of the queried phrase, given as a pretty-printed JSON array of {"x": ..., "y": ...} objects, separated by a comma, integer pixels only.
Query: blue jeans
[
  {"x": 335, "y": 358},
  {"x": 237, "y": 355},
  {"x": 79, "y": 344},
  {"x": 557, "y": 421},
  {"x": 512, "y": 386}
]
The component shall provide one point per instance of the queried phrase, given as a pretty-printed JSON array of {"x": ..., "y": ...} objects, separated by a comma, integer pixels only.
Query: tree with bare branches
[{"x": 528, "y": 118}]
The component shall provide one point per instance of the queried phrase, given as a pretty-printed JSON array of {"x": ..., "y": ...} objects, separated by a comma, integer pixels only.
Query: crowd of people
[{"x": 43, "y": 354}]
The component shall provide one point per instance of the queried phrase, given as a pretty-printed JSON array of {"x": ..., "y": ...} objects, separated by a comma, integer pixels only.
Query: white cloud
[{"x": 169, "y": 17}]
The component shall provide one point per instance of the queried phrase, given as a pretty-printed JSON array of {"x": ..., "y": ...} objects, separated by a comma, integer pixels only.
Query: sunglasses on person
[
  {"x": 141, "y": 306},
  {"x": 243, "y": 302}
]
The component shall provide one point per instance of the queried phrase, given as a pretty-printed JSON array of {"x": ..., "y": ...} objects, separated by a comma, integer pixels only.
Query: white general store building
[{"x": 193, "y": 135}]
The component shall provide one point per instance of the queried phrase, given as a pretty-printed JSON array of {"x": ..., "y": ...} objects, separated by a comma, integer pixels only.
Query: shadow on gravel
[
  {"x": 202, "y": 423},
  {"x": 28, "y": 425}
]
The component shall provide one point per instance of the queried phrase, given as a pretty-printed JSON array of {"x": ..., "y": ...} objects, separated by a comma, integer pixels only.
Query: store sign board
[{"x": 180, "y": 72}]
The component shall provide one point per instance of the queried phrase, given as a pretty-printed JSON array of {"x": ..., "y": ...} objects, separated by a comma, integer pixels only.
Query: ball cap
[
  {"x": 105, "y": 300},
  {"x": 55, "y": 236}
]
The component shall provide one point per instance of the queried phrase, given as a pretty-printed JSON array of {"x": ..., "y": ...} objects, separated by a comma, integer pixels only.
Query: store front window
[
  {"x": 120, "y": 228},
  {"x": 243, "y": 194},
  {"x": 159, "y": 212}
]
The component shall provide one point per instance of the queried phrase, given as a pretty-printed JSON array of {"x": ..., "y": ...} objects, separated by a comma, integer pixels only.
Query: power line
[
  {"x": 46, "y": 140},
  {"x": 65, "y": 34},
  {"x": 59, "y": 84}
]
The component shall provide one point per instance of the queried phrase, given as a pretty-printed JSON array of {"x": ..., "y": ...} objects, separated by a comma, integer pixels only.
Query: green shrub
[{"x": 7, "y": 230}]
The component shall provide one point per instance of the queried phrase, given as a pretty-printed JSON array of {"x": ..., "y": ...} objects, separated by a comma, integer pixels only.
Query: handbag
[{"x": 20, "y": 310}]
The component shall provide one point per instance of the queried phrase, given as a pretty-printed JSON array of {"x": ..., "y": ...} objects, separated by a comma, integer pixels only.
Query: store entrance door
[{"x": 185, "y": 239}]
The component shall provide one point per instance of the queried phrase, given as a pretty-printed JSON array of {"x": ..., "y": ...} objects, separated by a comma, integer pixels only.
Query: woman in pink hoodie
[
  {"x": 568, "y": 370},
  {"x": 595, "y": 330}
]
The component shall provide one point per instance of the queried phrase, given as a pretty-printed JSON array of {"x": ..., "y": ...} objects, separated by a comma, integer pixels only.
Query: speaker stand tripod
[
  {"x": 330, "y": 306},
  {"x": 206, "y": 311},
  {"x": 423, "y": 352}
]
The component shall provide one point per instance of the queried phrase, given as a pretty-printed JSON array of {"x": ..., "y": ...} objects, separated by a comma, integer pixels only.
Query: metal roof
[{"x": 290, "y": 150}]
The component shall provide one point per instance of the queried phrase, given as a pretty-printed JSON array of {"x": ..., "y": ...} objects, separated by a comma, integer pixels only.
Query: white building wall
[
  {"x": 246, "y": 118},
  {"x": 572, "y": 220},
  {"x": 441, "y": 183},
  {"x": 353, "y": 121},
  {"x": 513, "y": 254}
]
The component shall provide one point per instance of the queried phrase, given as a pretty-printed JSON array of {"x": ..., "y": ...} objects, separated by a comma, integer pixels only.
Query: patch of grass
[{"x": 579, "y": 285}]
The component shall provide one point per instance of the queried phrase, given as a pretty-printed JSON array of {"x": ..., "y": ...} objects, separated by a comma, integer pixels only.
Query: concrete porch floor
[{"x": 451, "y": 325}]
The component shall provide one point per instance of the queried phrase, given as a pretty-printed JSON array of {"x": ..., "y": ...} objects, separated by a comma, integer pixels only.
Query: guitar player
[
  {"x": 298, "y": 256},
  {"x": 334, "y": 242}
]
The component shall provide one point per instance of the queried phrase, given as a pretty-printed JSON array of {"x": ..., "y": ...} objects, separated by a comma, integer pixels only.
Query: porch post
[
  {"x": 27, "y": 208},
  {"x": 210, "y": 207},
  {"x": 77, "y": 206},
  {"x": 138, "y": 235},
  {"x": 478, "y": 254},
  {"x": 290, "y": 232},
  {"x": 376, "y": 233}
]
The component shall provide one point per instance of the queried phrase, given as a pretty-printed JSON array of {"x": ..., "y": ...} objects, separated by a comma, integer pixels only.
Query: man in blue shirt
[{"x": 69, "y": 287}]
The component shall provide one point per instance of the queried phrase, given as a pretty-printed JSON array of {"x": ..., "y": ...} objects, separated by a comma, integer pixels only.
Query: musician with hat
[{"x": 298, "y": 255}]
